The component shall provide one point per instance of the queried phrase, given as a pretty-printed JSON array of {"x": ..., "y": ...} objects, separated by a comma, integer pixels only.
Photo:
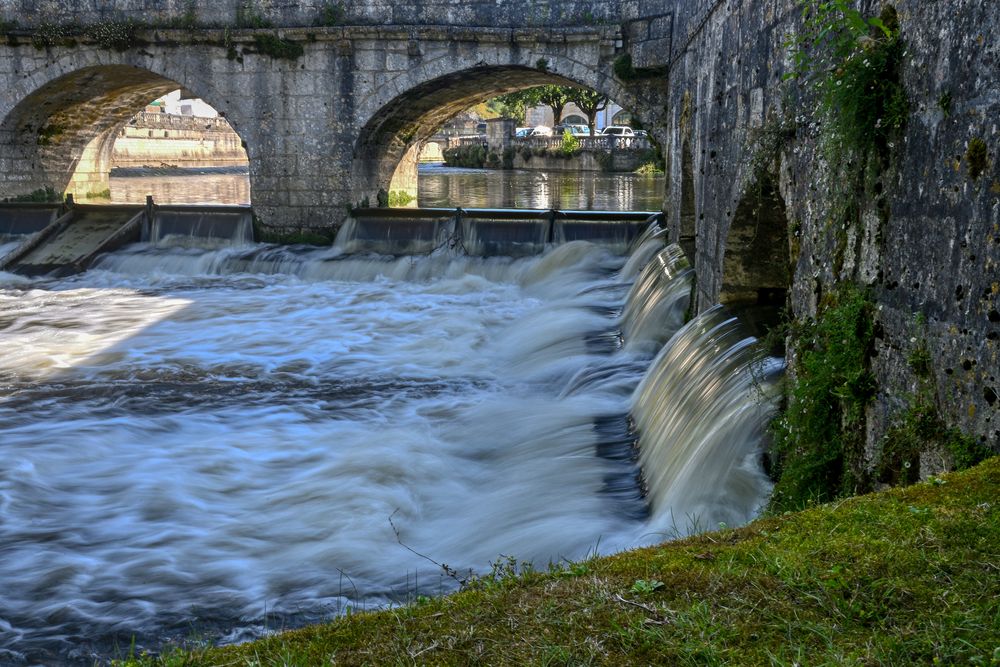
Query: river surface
[
  {"x": 220, "y": 443},
  {"x": 438, "y": 186},
  {"x": 211, "y": 444}
]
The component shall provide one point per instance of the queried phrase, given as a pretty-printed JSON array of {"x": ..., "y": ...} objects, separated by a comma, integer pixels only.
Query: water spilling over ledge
[{"x": 194, "y": 435}]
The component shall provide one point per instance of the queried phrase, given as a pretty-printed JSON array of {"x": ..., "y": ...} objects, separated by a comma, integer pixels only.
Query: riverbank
[{"x": 906, "y": 576}]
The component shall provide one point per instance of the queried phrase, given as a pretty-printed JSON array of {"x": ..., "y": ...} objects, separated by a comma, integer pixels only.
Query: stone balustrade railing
[
  {"x": 176, "y": 121},
  {"x": 599, "y": 142}
]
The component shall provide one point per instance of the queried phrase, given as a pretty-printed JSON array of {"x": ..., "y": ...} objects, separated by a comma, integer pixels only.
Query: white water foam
[{"x": 194, "y": 437}]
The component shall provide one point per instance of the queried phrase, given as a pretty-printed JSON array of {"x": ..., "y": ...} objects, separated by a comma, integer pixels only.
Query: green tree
[
  {"x": 514, "y": 105},
  {"x": 590, "y": 103},
  {"x": 556, "y": 98}
]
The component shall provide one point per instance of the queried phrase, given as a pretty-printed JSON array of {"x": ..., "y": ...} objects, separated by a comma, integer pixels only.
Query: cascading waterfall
[
  {"x": 192, "y": 435},
  {"x": 199, "y": 228},
  {"x": 701, "y": 409},
  {"x": 655, "y": 307}
]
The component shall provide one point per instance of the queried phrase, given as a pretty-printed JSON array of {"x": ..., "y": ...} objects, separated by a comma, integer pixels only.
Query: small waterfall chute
[
  {"x": 200, "y": 228},
  {"x": 656, "y": 304},
  {"x": 701, "y": 411}
]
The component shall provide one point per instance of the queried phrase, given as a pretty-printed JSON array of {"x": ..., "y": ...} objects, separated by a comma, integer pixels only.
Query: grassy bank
[{"x": 908, "y": 576}]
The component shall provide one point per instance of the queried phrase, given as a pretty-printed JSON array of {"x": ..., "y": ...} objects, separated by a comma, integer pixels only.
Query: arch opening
[
  {"x": 61, "y": 138},
  {"x": 756, "y": 268},
  {"x": 387, "y": 149}
]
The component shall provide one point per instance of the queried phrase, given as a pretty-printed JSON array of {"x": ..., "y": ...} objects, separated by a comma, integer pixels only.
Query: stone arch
[
  {"x": 61, "y": 134},
  {"x": 623, "y": 117},
  {"x": 756, "y": 267},
  {"x": 396, "y": 125}
]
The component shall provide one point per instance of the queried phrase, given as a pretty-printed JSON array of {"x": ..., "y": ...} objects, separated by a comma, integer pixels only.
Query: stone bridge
[{"x": 331, "y": 115}]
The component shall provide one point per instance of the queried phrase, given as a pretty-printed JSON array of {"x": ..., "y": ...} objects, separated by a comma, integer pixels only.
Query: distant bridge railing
[
  {"x": 467, "y": 140},
  {"x": 600, "y": 142},
  {"x": 177, "y": 121}
]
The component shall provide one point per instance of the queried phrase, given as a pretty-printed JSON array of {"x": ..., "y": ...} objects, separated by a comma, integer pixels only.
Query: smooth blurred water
[{"x": 213, "y": 443}]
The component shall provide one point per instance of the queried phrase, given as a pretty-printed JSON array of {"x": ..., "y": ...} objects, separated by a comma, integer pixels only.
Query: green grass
[{"x": 907, "y": 576}]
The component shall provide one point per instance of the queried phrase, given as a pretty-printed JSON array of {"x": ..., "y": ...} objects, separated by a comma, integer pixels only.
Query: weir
[
  {"x": 487, "y": 232},
  {"x": 70, "y": 243},
  {"x": 36, "y": 240},
  {"x": 529, "y": 391}
]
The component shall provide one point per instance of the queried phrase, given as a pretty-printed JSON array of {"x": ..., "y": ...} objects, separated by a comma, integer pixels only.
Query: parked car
[
  {"x": 641, "y": 133},
  {"x": 619, "y": 131},
  {"x": 575, "y": 130},
  {"x": 523, "y": 131},
  {"x": 541, "y": 131}
]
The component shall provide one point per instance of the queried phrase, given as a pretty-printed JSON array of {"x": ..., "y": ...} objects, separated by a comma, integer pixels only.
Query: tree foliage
[
  {"x": 515, "y": 105},
  {"x": 590, "y": 103}
]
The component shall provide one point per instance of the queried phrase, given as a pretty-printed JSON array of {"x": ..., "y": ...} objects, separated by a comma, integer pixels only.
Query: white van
[{"x": 619, "y": 130}]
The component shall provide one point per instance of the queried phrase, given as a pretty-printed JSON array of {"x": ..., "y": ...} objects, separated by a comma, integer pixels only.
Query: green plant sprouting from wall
[
  {"x": 248, "y": 16},
  {"x": 625, "y": 70},
  {"x": 852, "y": 64},
  {"x": 115, "y": 35},
  {"x": 49, "y": 133},
  {"x": 398, "y": 198},
  {"x": 278, "y": 48},
  {"x": 651, "y": 168},
  {"x": 819, "y": 439},
  {"x": 331, "y": 14}
]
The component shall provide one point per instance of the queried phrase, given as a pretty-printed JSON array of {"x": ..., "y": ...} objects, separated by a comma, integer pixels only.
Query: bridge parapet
[{"x": 261, "y": 13}]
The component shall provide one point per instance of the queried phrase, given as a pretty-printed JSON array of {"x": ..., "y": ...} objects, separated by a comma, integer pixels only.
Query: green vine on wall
[
  {"x": 819, "y": 440},
  {"x": 852, "y": 64}
]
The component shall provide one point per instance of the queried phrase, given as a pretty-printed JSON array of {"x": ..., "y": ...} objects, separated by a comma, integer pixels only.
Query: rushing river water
[
  {"x": 216, "y": 442},
  {"x": 438, "y": 186}
]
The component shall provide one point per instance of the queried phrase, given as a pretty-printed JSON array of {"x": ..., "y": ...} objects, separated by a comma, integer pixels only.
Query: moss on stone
[
  {"x": 303, "y": 236},
  {"x": 39, "y": 195},
  {"x": 278, "y": 48},
  {"x": 977, "y": 158}
]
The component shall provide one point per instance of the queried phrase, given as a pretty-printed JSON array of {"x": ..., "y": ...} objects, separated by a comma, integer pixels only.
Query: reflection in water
[
  {"x": 574, "y": 190},
  {"x": 181, "y": 186},
  {"x": 439, "y": 186}
]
